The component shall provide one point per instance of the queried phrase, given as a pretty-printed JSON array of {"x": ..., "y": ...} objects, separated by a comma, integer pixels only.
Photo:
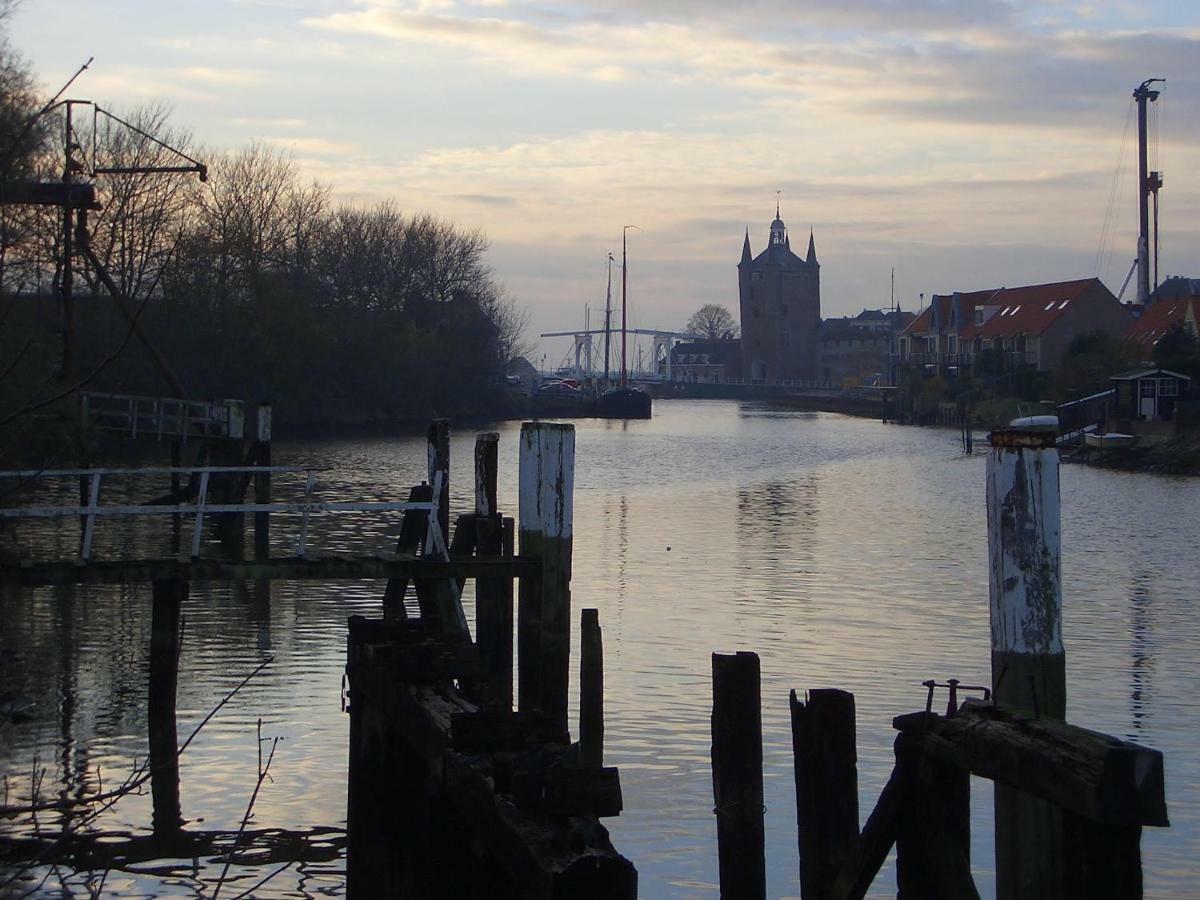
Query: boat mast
[
  {"x": 1148, "y": 184},
  {"x": 624, "y": 308},
  {"x": 607, "y": 318}
]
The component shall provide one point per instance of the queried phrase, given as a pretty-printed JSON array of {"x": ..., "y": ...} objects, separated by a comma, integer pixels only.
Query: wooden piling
[
  {"x": 933, "y": 840},
  {"x": 591, "y": 691},
  {"x": 493, "y": 596},
  {"x": 1028, "y": 660},
  {"x": 168, "y": 597},
  {"x": 826, "y": 769},
  {"x": 737, "y": 775},
  {"x": 547, "y": 476}
]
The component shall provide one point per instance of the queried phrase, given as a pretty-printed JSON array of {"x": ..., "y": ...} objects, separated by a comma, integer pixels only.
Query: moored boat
[
  {"x": 1109, "y": 441},
  {"x": 624, "y": 403}
]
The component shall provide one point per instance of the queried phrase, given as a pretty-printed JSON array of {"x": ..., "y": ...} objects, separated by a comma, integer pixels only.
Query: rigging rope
[{"x": 1107, "y": 229}]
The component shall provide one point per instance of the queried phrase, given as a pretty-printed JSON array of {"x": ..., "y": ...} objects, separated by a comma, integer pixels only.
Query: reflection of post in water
[
  {"x": 164, "y": 675},
  {"x": 1141, "y": 660},
  {"x": 64, "y": 606}
]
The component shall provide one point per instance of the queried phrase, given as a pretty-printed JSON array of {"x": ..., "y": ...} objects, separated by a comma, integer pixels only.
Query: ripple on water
[{"x": 844, "y": 552}]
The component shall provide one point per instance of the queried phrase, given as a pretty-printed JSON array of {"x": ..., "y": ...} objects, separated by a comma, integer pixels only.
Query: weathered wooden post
[
  {"x": 591, "y": 691},
  {"x": 1028, "y": 660},
  {"x": 547, "y": 484},
  {"x": 493, "y": 596},
  {"x": 167, "y": 598},
  {"x": 438, "y": 452},
  {"x": 262, "y": 483},
  {"x": 933, "y": 840},
  {"x": 826, "y": 766},
  {"x": 737, "y": 775}
]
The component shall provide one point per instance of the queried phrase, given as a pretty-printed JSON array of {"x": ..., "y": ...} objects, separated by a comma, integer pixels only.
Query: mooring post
[
  {"x": 438, "y": 452},
  {"x": 547, "y": 483},
  {"x": 493, "y": 596},
  {"x": 1028, "y": 660},
  {"x": 167, "y": 598},
  {"x": 825, "y": 752},
  {"x": 737, "y": 762},
  {"x": 262, "y": 483},
  {"x": 591, "y": 691}
]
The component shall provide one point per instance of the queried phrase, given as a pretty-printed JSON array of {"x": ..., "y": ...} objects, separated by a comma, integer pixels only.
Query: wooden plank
[
  {"x": 494, "y": 618},
  {"x": 1028, "y": 660},
  {"x": 569, "y": 791},
  {"x": 826, "y": 770},
  {"x": 491, "y": 731},
  {"x": 878, "y": 836},
  {"x": 438, "y": 453},
  {"x": 330, "y": 567},
  {"x": 1103, "y": 862},
  {"x": 737, "y": 775},
  {"x": 1094, "y": 775},
  {"x": 412, "y": 530}
]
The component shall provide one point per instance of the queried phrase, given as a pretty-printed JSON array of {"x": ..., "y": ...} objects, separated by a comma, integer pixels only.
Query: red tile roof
[
  {"x": 1028, "y": 310},
  {"x": 1160, "y": 318}
]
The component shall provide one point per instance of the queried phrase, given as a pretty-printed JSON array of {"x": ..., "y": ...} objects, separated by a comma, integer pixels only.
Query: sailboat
[{"x": 623, "y": 401}]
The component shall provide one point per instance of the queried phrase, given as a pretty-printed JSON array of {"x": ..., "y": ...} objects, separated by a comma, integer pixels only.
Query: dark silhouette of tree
[{"x": 712, "y": 322}]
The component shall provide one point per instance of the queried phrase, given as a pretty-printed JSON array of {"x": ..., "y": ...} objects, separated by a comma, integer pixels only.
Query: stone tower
[{"x": 780, "y": 305}]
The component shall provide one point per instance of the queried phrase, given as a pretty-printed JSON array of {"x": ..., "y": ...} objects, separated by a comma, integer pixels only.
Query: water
[{"x": 846, "y": 553}]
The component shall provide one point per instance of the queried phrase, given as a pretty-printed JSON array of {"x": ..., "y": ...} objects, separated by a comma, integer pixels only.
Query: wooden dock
[{"x": 452, "y": 792}]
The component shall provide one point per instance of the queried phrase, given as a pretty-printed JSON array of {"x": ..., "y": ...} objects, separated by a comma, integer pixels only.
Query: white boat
[
  {"x": 1035, "y": 423},
  {"x": 1109, "y": 441}
]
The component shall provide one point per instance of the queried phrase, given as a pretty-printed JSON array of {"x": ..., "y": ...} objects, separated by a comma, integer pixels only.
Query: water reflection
[{"x": 848, "y": 554}]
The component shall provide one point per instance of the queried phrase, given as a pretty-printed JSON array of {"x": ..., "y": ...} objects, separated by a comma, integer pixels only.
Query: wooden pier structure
[
  {"x": 452, "y": 791},
  {"x": 1070, "y": 803}
]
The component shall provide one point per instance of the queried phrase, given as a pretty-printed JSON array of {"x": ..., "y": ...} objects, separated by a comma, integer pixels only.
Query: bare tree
[{"x": 712, "y": 322}]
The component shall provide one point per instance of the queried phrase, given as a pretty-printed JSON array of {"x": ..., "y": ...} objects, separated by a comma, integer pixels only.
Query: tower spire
[
  {"x": 812, "y": 248},
  {"x": 746, "y": 255},
  {"x": 777, "y": 193}
]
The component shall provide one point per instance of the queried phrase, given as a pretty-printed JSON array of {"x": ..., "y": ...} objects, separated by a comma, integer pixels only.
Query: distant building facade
[
  {"x": 856, "y": 350},
  {"x": 710, "y": 361},
  {"x": 1022, "y": 327},
  {"x": 780, "y": 309}
]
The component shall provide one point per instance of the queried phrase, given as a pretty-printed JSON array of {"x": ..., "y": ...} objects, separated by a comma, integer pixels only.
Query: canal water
[{"x": 847, "y": 553}]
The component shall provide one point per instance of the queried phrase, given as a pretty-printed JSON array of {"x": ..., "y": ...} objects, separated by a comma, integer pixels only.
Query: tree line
[{"x": 252, "y": 283}]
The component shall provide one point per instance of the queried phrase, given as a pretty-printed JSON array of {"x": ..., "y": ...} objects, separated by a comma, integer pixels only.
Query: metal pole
[
  {"x": 1143, "y": 94},
  {"x": 607, "y": 319}
]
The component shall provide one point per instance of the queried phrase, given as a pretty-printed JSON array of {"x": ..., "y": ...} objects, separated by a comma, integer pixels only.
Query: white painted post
[
  {"x": 198, "y": 527},
  {"x": 235, "y": 418},
  {"x": 1028, "y": 660},
  {"x": 89, "y": 529},
  {"x": 309, "y": 484},
  {"x": 547, "y": 481}
]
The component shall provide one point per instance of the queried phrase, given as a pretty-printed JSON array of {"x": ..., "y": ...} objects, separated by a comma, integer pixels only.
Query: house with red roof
[
  {"x": 1022, "y": 327},
  {"x": 1160, "y": 318}
]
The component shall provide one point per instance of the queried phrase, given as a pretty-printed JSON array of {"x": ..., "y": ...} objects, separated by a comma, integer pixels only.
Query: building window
[
  {"x": 756, "y": 276},
  {"x": 785, "y": 338},
  {"x": 1147, "y": 387},
  {"x": 1168, "y": 387}
]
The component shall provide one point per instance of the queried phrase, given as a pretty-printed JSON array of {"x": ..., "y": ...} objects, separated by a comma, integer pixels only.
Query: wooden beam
[
  {"x": 289, "y": 568},
  {"x": 1094, "y": 775},
  {"x": 591, "y": 691}
]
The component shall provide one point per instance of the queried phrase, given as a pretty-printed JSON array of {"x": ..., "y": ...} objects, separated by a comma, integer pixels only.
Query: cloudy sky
[{"x": 967, "y": 143}]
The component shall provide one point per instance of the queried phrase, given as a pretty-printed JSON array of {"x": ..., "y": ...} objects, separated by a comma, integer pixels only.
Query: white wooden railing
[
  {"x": 435, "y": 542},
  {"x": 162, "y": 416}
]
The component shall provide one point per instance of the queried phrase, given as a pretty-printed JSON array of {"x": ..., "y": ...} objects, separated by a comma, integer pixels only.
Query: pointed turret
[
  {"x": 812, "y": 248},
  {"x": 746, "y": 255}
]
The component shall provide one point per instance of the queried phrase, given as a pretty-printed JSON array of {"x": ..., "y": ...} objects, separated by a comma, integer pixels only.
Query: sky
[{"x": 965, "y": 143}]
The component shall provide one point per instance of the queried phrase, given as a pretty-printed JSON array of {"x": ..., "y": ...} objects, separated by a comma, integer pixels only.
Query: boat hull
[
  {"x": 1110, "y": 441},
  {"x": 624, "y": 403}
]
